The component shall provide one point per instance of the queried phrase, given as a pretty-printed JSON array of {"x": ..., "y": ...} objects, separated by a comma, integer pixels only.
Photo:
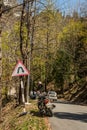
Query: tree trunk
[
  {"x": 0, "y": 63},
  {"x": 20, "y": 95}
]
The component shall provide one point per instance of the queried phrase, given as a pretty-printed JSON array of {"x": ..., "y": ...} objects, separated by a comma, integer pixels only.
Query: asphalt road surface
[{"x": 69, "y": 117}]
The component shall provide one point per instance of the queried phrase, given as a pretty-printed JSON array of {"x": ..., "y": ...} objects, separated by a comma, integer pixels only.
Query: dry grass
[{"x": 13, "y": 120}]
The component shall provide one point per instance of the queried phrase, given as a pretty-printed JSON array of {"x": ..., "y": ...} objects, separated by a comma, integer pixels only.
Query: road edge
[{"x": 48, "y": 124}]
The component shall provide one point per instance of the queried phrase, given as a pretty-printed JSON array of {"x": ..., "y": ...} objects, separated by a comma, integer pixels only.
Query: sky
[
  {"x": 67, "y": 6},
  {"x": 64, "y": 2}
]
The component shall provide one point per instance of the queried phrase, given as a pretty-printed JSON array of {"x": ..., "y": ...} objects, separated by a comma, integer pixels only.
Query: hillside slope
[{"x": 77, "y": 93}]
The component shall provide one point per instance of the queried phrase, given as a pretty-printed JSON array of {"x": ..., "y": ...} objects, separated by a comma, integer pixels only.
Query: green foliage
[
  {"x": 71, "y": 57},
  {"x": 10, "y": 53},
  {"x": 81, "y": 52},
  {"x": 59, "y": 48},
  {"x": 46, "y": 38},
  {"x": 61, "y": 68}
]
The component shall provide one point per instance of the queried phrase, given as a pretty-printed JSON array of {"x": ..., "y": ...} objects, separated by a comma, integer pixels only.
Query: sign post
[
  {"x": 22, "y": 89},
  {"x": 21, "y": 70}
]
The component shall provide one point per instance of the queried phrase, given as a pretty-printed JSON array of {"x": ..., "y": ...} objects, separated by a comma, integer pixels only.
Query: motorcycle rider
[
  {"x": 44, "y": 106},
  {"x": 40, "y": 87}
]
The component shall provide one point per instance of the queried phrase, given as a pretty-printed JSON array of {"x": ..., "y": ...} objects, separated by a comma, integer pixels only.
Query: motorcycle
[{"x": 45, "y": 106}]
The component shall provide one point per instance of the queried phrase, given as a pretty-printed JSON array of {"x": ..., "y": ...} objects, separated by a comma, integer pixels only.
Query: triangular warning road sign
[{"x": 20, "y": 70}]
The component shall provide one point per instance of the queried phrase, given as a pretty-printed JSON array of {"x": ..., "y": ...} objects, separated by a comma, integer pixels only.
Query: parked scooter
[{"x": 45, "y": 106}]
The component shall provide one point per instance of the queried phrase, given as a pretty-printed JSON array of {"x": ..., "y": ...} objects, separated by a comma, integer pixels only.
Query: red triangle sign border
[{"x": 21, "y": 67}]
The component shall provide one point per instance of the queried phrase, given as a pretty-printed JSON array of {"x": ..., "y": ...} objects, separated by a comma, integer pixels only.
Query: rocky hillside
[{"x": 77, "y": 93}]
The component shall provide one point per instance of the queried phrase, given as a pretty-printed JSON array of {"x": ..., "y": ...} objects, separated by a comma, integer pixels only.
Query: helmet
[{"x": 40, "y": 82}]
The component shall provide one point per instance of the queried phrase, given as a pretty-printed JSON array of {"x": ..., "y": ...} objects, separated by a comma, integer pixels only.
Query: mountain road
[{"x": 68, "y": 116}]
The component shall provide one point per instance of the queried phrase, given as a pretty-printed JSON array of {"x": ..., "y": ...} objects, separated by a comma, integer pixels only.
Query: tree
[
  {"x": 83, "y": 9},
  {"x": 61, "y": 69},
  {"x": 46, "y": 41},
  {"x": 26, "y": 43},
  {"x": 73, "y": 45},
  {"x": 0, "y": 59},
  {"x": 81, "y": 52}
]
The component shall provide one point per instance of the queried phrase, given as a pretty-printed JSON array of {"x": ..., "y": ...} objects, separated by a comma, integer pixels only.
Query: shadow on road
[{"x": 72, "y": 116}]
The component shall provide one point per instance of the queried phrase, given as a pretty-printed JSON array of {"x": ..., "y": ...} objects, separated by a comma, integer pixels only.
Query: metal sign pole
[
  {"x": 23, "y": 98},
  {"x": 22, "y": 89}
]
